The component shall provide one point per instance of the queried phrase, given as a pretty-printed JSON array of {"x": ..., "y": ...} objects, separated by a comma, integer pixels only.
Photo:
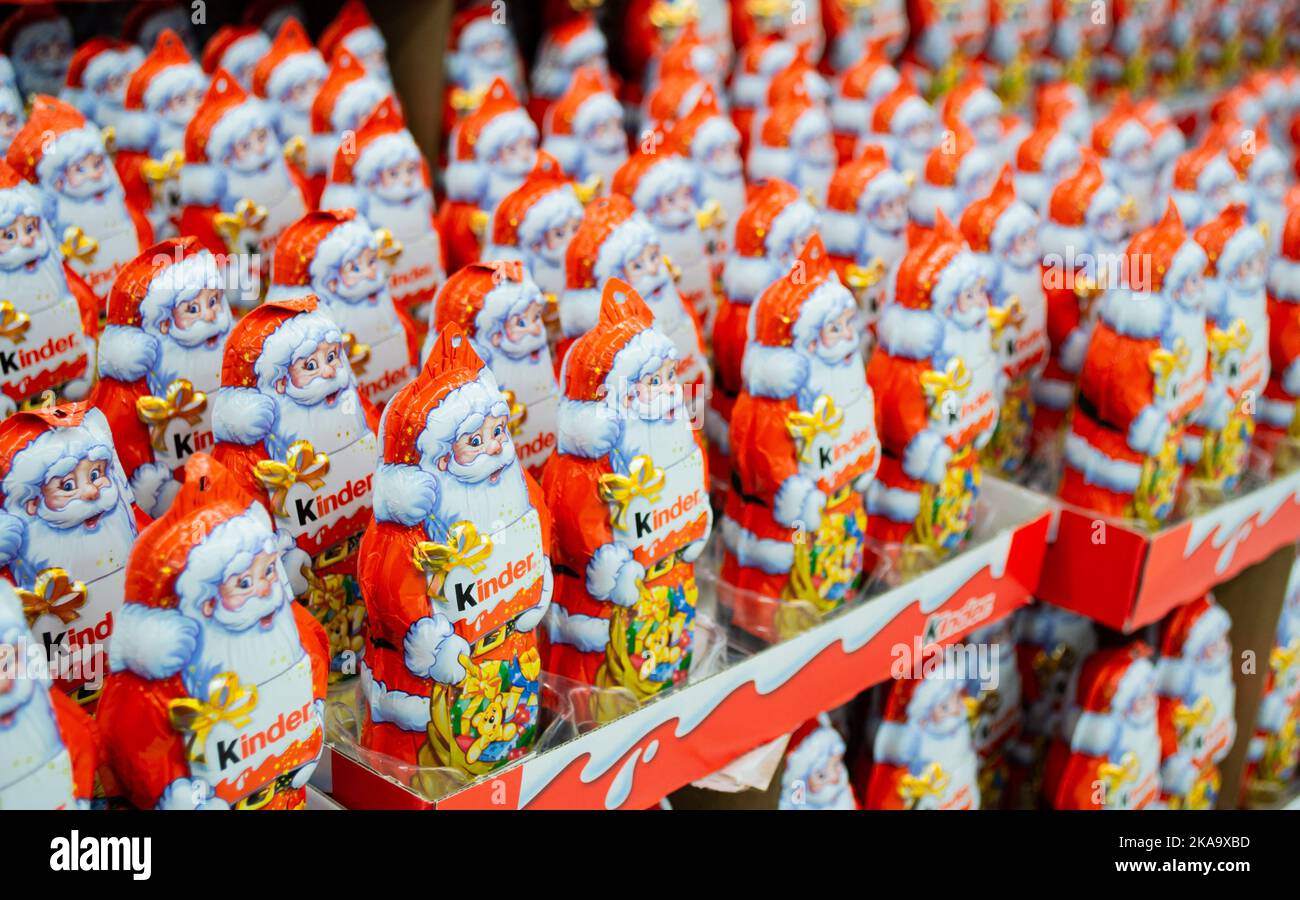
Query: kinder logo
[
  {"x": 946, "y": 623},
  {"x": 75, "y": 853},
  {"x": 655, "y": 519},
  {"x": 411, "y": 276},
  {"x": 388, "y": 379},
  {"x": 484, "y": 589},
  {"x": 73, "y": 638},
  {"x": 843, "y": 450},
  {"x": 538, "y": 446},
  {"x": 103, "y": 277},
  {"x": 236, "y": 750},
  {"x": 978, "y": 405},
  {"x": 317, "y": 505},
  {"x": 18, "y": 359},
  {"x": 187, "y": 442}
]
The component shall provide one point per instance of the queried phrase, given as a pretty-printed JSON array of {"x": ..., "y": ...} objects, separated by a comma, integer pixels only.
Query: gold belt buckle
[
  {"x": 839, "y": 496},
  {"x": 259, "y": 798},
  {"x": 491, "y": 641},
  {"x": 661, "y": 568}
]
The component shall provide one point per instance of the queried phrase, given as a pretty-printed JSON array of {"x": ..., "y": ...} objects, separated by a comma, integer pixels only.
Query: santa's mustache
[
  {"x": 485, "y": 466},
  {"x": 400, "y": 193},
  {"x": 729, "y": 168},
  {"x": 201, "y": 331},
  {"x": 530, "y": 343},
  {"x": 839, "y": 351},
  {"x": 254, "y": 610},
  {"x": 663, "y": 405},
  {"x": 81, "y": 513},
  {"x": 321, "y": 389},
  {"x": 105, "y": 184},
  {"x": 365, "y": 290},
  {"x": 20, "y": 256},
  {"x": 251, "y": 164},
  {"x": 652, "y": 286}
]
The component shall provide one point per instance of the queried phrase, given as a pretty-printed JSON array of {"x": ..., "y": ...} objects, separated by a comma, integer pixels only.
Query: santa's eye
[
  {"x": 270, "y": 570},
  {"x": 655, "y": 381},
  {"x": 68, "y": 484},
  {"x": 245, "y": 583},
  {"x": 96, "y": 474},
  {"x": 331, "y": 357},
  {"x": 310, "y": 366},
  {"x": 31, "y": 227},
  {"x": 10, "y": 236},
  {"x": 498, "y": 431},
  {"x": 476, "y": 441},
  {"x": 521, "y": 322},
  {"x": 192, "y": 309}
]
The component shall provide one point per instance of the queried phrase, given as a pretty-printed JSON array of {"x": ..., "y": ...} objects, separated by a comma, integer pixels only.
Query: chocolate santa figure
[
  {"x": 677, "y": 47},
  {"x": 1126, "y": 61},
  {"x": 708, "y": 138},
  {"x": 239, "y": 722},
  {"x": 1203, "y": 180},
  {"x": 814, "y": 775},
  {"x": 793, "y": 142},
  {"x": 770, "y": 234},
  {"x": 957, "y": 172},
  {"x": 616, "y": 241},
  {"x": 67, "y": 527},
  {"x": 864, "y": 226},
  {"x": 975, "y": 105},
  {"x": 238, "y": 192},
  {"x": 1197, "y": 703},
  {"x": 1143, "y": 374},
  {"x": 97, "y": 77},
  {"x": 1107, "y": 755},
  {"x": 1085, "y": 225},
  {"x": 1005, "y": 230},
  {"x": 500, "y": 309},
  {"x": 935, "y": 379},
  {"x": 1219, "y": 438},
  {"x": 12, "y": 110},
  {"x": 945, "y": 39},
  {"x": 993, "y": 704},
  {"x": 1067, "y": 103},
  {"x": 491, "y": 152},
  {"x": 144, "y": 22},
  {"x": 759, "y": 60},
  {"x": 161, "y": 97},
  {"x": 49, "y": 318},
  {"x": 907, "y": 127},
  {"x": 1018, "y": 34},
  {"x": 857, "y": 91},
  {"x": 294, "y": 432},
  {"x": 62, "y": 154},
  {"x": 536, "y": 222},
  {"x": 1077, "y": 38},
  {"x": 1263, "y": 168},
  {"x": 38, "y": 38},
  {"x": 455, "y": 573},
  {"x": 288, "y": 77},
  {"x": 353, "y": 30},
  {"x": 159, "y": 361},
  {"x": 1274, "y": 747},
  {"x": 924, "y": 756},
  {"x": 382, "y": 175},
  {"x": 801, "y": 26},
  {"x": 1124, "y": 143},
  {"x": 480, "y": 48},
  {"x": 857, "y": 30},
  {"x": 632, "y": 474},
  {"x": 665, "y": 188},
  {"x": 574, "y": 43},
  {"x": 336, "y": 255},
  {"x": 1278, "y": 425},
  {"x": 1044, "y": 159},
  {"x": 803, "y": 451},
  {"x": 51, "y": 749},
  {"x": 345, "y": 98},
  {"x": 584, "y": 130},
  {"x": 237, "y": 49}
]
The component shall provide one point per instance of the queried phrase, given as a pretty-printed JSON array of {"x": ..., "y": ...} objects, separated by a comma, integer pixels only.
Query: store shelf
[{"x": 634, "y": 761}]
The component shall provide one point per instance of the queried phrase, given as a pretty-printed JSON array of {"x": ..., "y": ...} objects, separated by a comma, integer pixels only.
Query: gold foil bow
[
  {"x": 325, "y": 592},
  {"x": 295, "y": 152},
  {"x": 159, "y": 170},
  {"x": 805, "y": 426},
  {"x": 1122, "y": 772},
  {"x": 589, "y": 189},
  {"x": 301, "y": 464},
  {"x": 464, "y": 547},
  {"x": 180, "y": 402},
  {"x": 767, "y": 9},
  {"x": 1010, "y": 313},
  {"x": 711, "y": 215},
  {"x": 954, "y": 379},
  {"x": 665, "y": 14},
  {"x": 78, "y": 245},
  {"x": 53, "y": 593},
  {"x": 1224, "y": 340},
  {"x": 248, "y": 214},
  {"x": 1282, "y": 658},
  {"x": 862, "y": 277},
  {"x": 109, "y": 136},
  {"x": 932, "y": 782},
  {"x": 13, "y": 324},
  {"x": 1128, "y": 209},
  {"x": 1165, "y": 364},
  {"x": 228, "y": 701},
  {"x": 481, "y": 683},
  {"x": 673, "y": 270},
  {"x": 389, "y": 247},
  {"x": 467, "y": 100},
  {"x": 642, "y": 480},
  {"x": 478, "y": 223},
  {"x": 358, "y": 354},
  {"x": 518, "y": 412},
  {"x": 1199, "y": 714}
]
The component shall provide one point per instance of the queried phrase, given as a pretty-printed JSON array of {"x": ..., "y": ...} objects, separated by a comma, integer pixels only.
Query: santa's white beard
[
  {"x": 293, "y": 122},
  {"x": 32, "y": 289},
  {"x": 329, "y": 425},
  {"x": 843, "y": 381},
  {"x": 912, "y": 159},
  {"x": 500, "y": 181},
  {"x": 603, "y": 161},
  {"x": 726, "y": 188},
  {"x": 32, "y": 737},
  {"x": 952, "y": 749},
  {"x": 837, "y": 796},
  {"x": 815, "y": 178},
  {"x": 488, "y": 504},
  {"x": 518, "y": 372},
  {"x": 255, "y": 654},
  {"x": 194, "y": 354},
  {"x": 60, "y": 539},
  {"x": 523, "y": 350},
  {"x": 365, "y": 311},
  {"x": 662, "y": 298},
  {"x": 665, "y": 439},
  {"x": 265, "y": 185},
  {"x": 171, "y": 135},
  {"x": 408, "y": 218},
  {"x": 99, "y": 210},
  {"x": 672, "y": 223}
]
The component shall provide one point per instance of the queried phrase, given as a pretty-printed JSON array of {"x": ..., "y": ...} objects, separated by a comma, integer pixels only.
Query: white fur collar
[
  {"x": 775, "y": 372},
  {"x": 910, "y": 333},
  {"x": 126, "y": 353},
  {"x": 242, "y": 415},
  {"x": 1135, "y": 314}
]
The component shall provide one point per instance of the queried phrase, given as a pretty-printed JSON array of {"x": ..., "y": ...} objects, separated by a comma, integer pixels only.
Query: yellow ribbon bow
[
  {"x": 358, "y": 354},
  {"x": 159, "y": 170},
  {"x": 325, "y": 592},
  {"x": 932, "y": 782},
  {"x": 54, "y": 593},
  {"x": 954, "y": 379},
  {"x": 642, "y": 480},
  {"x": 1199, "y": 714},
  {"x": 805, "y": 426},
  {"x": 109, "y": 136},
  {"x": 389, "y": 247},
  {"x": 589, "y": 189},
  {"x": 484, "y": 683},
  {"x": 180, "y": 402},
  {"x": 767, "y": 9},
  {"x": 13, "y": 324},
  {"x": 1128, "y": 209},
  {"x": 1116, "y": 774},
  {"x": 672, "y": 268},
  {"x": 673, "y": 15},
  {"x": 478, "y": 223},
  {"x": 1010, "y": 313},
  {"x": 464, "y": 547},
  {"x": 1224, "y": 340},
  {"x": 711, "y": 216},
  {"x": 1164, "y": 364},
  {"x": 467, "y": 100},
  {"x": 295, "y": 151},
  {"x": 301, "y": 463},
  {"x": 228, "y": 701},
  {"x": 518, "y": 412},
  {"x": 78, "y": 245},
  {"x": 862, "y": 277},
  {"x": 248, "y": 214}
]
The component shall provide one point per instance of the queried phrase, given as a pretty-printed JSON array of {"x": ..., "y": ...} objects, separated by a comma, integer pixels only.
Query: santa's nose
[
  {"x": 494, "y": 446},
  {"x": 327, "y": 370},
  {"x": 233, "y": 602},
  {"x": 264, "y": 587},
  {"x": 210, "y": 313},
  {"x": 90, "y": 492},
  {"x": 28, "y": 239},
  {"x": 6, "y": 685}
]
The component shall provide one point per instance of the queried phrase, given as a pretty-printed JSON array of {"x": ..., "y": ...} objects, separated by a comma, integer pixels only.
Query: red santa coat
[{"x": 1277, "y": 419}]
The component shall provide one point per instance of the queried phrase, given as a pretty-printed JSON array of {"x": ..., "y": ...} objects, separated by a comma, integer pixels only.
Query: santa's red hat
[
  {"x": 1242, "y": 154},
  {"x": 760, "y": 58},
  {"x": 140, "y": 19},
  {"x": 574, "y": 40},
  {"x": 346, "y": 96},
  {"x": 786, "y": 128},
  {"x": 498, "y": 120},
  {"x": 789, "y": 314},
  {"x": 1239, "y": 103},
  {"x": 524, "y": 214},
  {"x": 1229, "y": 239},
  {"x": 858, "y": 187},
  {"x": 473, "y": 25},
  {"x": 23, "y": 18},
  {"x": 54, "y": 136},
  {"x": 775, "y": 215},
  {"x": 312, "y": 248},
  {"x": 1204, "y": 167},
  {"x": 235, "y": 48},
  {"x": 481, "y": 296},
  {"x": 1190, "y": 627},
  {"x": 144, "y": 293},
  {"x": 872, "y": 76},
  {"x": 1163, "y": 253},
  {"x": 1109, "y": 682},
  {"x": 352, "y": 19},
  {"x": 970, "y": 100},
  {"x": 1120, "y": 130},
  {"x": 381, "y": 139},
  {"x": 991, "y": 223},
  {"x": 688, "y": 52},
  {"x": 652, "y": 171},
  {"x": 1046, "y": 147},
  {"x": 927, "y": 275},
  {"x": 611, "y": 229},
  {"x": 17, "y": 196},
  {"x": 900, "y": 109},
  {"x": 1077, "y": 204},
  {"x": 100, "y": 58},
  {"x": 953, "y": 164},
  {"x": 673, "y": 97},
  {"x": 166, "y": 69},
  {"x": 226, "y": 114},
  {"x": 799, "y": 78},
  {"x": 588, "y": 101},
  {"x": 271, "y": 77}
]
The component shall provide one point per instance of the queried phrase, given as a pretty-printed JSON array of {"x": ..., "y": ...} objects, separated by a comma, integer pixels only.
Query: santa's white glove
[
  {"x": 1073, "y": 349},
  {"x": 613, "y": 575},
  {"x": 1178, "y": 774},
  {"x": 12, "y": 535},
  {"x": 154, "y": 488},
  {"x": 926, "y": 457},
  {"x": 433, "y": 650},
  {"x": 864, "y": 481},
  {"x": 190, "y": 794},
  {"x": 295, "y": 560},
  {"x": 530, "y": 618},
  {"x": 152, "y": 643},
  {"x": 1149, "y": 431},
  {"x": 691, "y": 552},
  {"x": 799, "y": 503}
]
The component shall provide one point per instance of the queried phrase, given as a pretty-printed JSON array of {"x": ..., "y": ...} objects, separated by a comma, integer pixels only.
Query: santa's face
[
  {"x": 972, "y": 304},
  {"x": 300, "y": 94},
  {"x": 45, "y": 50},
  {"x": 319, "y": 377},
  {"x": 401, "y": 181},
  {"x": 920, "y": 137},
  {"x": 76, "y": 499},
  {"x": 179, "y": 108},
  {"x": 554, "y": 242},
  {"x": 359, "y": 278},
  {"x": 975, "y": 184},
  {"x": 253, "y": 152},
  {"x": 606, "y": 136},
  {"x": 825, "y": 781},
  {"x": 675, "y": 208},
  {"x": 482, "y": 454},
  {"x": 946, "y": 716},
  {"x": 1249, "y": 276},
  {"x": 818, "y": 150},
  {"x": 890, "y": 215},
  {"x": 9, "y": 125},
  {"x": 837, "y": 340},
  {"x": 646, "y": 272},
  {"x": 1213, "y": 657},
  {"x": 201, "y": 321},
  {"x": 523, "y": 333},
  {"x": 492, "y": 53},
  {"x": 796, "y": 246},
  {"x": 1190, "y": 293},
  {"x": 86, "y": 177},
  {"x": 1110, "y": 227},
  {"x": 516, "y": 157},
  {"x": 987, "y": 128},
  {"x": 1141, "y": 710},
  {"x": 1025, "y": 250},
  {"x": 724, "y": 160},
  {"x": 23, "y": 244},
  {"x": 1137, "y": 161},
  {"x": 655, "y": 395},
  {"x": 248, "y": 598},
  {"x": 112, "y": 90}
]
